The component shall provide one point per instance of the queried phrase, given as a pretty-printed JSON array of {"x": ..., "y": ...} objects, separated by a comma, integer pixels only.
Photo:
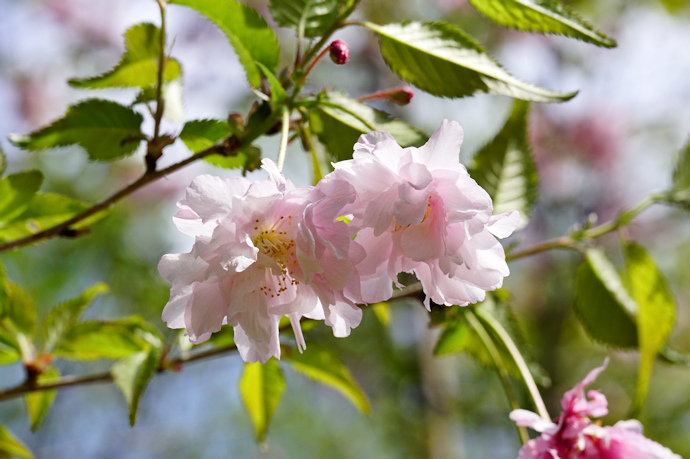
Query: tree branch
[
  {"x": 227, "y": 148},
  {"x": 67, "y": 381}
]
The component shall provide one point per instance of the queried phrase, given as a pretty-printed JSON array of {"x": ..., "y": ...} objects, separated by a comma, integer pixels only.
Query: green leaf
[
  {"x": 339, "y": 120},
  {"x": 65, "y": 315},
  {"x": 3, "y": 161},
  {"x": 325, "y": 366},
  {"x": 545, "y": 16},
  {"x": 656, "y": 312},
  {"x": 132, "y": 374},
  {"x": 105, "y": 129},
  {"x": 602, "y": 303},
  {"x": 442, "y": 60},
  {"x": 249, "y": 33},
  {"x": 382, "y": 311},
  {"x": 314, "y": 17},
  {"x": 19, "y": 311},
  {"x": 505, "y": 167},
  {"x": 38, "y": 403},
  {"x": 139, "y": 64},
  {"x": 261, "y": 388},
  {"x": 278, "y": 93},
  {"x": 11, "y": 447},
  {"x": 456, "y": 337},
  {"x": 198, "y": 135},
  {"x": 44, "y": 211},
  {"x": 114, "y": 339},
  {"x": 16, "y": 192},
  {"x": 675, "y": 6}
]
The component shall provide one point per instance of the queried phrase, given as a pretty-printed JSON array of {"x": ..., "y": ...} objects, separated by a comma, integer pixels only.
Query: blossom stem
[
  {"x": 500, "y": 366},
  {"x": 519, "y": 361},
  {"x": 284, "y": 134}
]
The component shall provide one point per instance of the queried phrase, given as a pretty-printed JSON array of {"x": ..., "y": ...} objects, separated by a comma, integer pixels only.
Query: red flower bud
[
  {"x": 402, "y": 95},
  {"x": 339, "y": 52}
]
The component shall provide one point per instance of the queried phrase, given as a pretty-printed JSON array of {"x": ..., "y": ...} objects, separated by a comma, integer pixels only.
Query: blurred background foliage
[{"x": 606, "y": 149}]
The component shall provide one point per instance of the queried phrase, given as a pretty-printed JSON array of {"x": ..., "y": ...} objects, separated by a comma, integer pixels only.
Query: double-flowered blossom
[
  {"x": 262, "y": 250},
  {"x": 417, "y": 210},
  {"x": 573, "y": 435}
]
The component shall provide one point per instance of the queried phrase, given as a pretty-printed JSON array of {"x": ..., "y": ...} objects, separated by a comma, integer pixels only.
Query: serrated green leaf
[
  {"x": 114, "y": 339},
  {"x": 249, "y": 33},
  {"x": 278, "y": 93},
  {"x": 138, "y": 66},
  {"x": 198, "y": 135},
  {"x": 338, "y": 121},
  {"x": 105, "y": 129},
  {"x": 314, "y": 17},
  {"x": 11, "y": 447},
  {"x": 656, "y": 312},
  {"x": 65, "y": 315},
  {"x": 132, "y": 374},
  {"x": 602, "y": 303},
  {"x": 325, "y": 366},
  {"x": 3, "y": 161},
  {"x": 442, "y": 60},
  {"x": 261, "y": 388},
  {"x": 44, "y": 211},
  {"x": 38, "y": 403},
  {"x": 19, "y": 311},
  {"x": 16, "y": 192},
  {"x": 545, "y": 16},
  {"x": 505, "y": 167}
]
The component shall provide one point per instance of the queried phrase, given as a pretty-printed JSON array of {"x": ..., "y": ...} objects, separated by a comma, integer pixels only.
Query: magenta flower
[
  {"x": 574, "y": 436},
  {"x": 417, "y": 210},
  {"x": 262, "y": 250}
]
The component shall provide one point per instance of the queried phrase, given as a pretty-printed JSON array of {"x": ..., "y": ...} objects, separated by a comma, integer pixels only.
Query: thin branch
[
  {"x": 285, "y": 132},
  {"x": 228, "y": 147},
  {"x": 68, "y": 381},
  {"x": 570, "y": 241}
]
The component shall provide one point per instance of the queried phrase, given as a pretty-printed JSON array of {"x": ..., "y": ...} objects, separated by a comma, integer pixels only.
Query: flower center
[{"x": 275, "y": 242}]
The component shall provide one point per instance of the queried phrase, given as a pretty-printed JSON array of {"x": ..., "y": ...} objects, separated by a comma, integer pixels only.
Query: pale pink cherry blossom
[
  {"x": 573, "y": 435},
  {"x": 262, "y": 250},
  {"x": 418, "y": 210}
]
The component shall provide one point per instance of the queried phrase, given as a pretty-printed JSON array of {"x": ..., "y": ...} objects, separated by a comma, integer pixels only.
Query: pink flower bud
[
  {"x": 402, "y": 95},
  {"x": 339, "y": 52}
]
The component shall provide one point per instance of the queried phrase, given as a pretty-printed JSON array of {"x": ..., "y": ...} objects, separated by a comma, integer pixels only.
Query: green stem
[
  {"x": 570, "y": 241},
  {"x": 160, "y": 104},
  {"x": 500, "y": 367},
  {"x": 498, "y": 329},
  {"x": 284, "y": 134}
]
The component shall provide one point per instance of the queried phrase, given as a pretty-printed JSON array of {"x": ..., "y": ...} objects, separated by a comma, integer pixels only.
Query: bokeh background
[{"x": 608, "y": 148}]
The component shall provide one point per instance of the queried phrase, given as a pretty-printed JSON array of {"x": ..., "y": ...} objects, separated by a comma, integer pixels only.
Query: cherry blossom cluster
[
  {"x": 574, "y": 436},
  {"x": 267, "y": 249}
]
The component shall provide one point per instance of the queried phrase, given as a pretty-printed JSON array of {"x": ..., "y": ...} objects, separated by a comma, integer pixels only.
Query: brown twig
[
  {"x": 228, "y": 147},
  {"x": 68, "y": 381}
]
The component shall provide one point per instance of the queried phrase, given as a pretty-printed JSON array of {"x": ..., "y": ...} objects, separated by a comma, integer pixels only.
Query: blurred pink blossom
[
  {"x": 574, "y": 436},
  {"x": 417, "y": 210},
  {"x": 262, "y": 250}
]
